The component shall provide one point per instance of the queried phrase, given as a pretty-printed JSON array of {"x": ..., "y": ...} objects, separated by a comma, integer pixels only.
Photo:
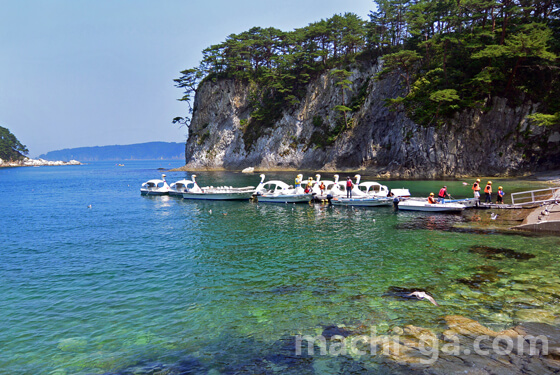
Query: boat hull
[
  {"x": 219, "y": 196},
  {"x": 467, "y": 202},
  {"x": 429, "y": 207},
  {"x": 285, "y": 198},
  {"x": 144, "y": 192},
  {"x": 363, "y": 202}
]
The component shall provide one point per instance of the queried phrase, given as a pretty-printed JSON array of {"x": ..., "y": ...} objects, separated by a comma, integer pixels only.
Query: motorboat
[
  {"x": 362, "y": 201},
  {"x": 179, "y": 187},
  {"x": 217, "y": 193},
  {"x": 280, "y": 192},
  {"x": 155, "y": 187},
  {"x": 467, "y": 202},
  {"x": 424, "y": 205}
]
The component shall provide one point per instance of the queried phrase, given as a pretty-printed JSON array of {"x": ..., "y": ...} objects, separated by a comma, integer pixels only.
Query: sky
[{"x": 78, "y": 73}]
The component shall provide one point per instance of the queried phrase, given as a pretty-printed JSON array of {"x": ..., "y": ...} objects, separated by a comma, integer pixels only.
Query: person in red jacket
[
  {"x": 443, "y": 194},
  {"x": 349, "y": 187}
]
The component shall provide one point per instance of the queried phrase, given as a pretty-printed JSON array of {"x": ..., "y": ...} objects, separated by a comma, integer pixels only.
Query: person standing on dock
[
  {"x": 500, "y": 199},
  {"x": 488, "y": 192},
  {"x": 476, "y": 189}
]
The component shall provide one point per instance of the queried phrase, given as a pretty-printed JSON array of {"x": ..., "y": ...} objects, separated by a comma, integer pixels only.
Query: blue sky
[{"x": 77, "y": 73}]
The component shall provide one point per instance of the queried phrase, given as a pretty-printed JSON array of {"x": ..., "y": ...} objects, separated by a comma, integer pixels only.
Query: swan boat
[
  {"x": 155, "y": 187},
  {"x": 217, "y": 193},
  {"x": 280, "y": 192},
  {"x": 424, "y": 205},
  {"x": 375, "y": 189},
  {"x": 179, "y": 187}
]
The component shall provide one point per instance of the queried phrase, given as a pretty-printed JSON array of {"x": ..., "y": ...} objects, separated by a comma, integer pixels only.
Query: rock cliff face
[{"x": 494, "y": 141}]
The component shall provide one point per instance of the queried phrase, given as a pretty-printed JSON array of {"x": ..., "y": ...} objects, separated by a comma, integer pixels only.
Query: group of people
[
  {"x": 441, "y": 196},
  {"x": 476, "y": 190},
  {"x": 309, "y": 185},
  {"x": 488, "y": 192}
]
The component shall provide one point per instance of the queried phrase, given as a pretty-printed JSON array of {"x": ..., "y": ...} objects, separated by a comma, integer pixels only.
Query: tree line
[
  {"x": 451, "y": 55},
  {"x": 11, "y": 148}
]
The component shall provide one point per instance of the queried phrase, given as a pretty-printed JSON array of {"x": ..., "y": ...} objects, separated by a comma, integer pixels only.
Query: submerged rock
[{"x": 496, "y": 253}]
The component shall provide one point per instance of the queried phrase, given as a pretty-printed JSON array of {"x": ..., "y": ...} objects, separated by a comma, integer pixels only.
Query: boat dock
[{"x": 544, "y": 218}]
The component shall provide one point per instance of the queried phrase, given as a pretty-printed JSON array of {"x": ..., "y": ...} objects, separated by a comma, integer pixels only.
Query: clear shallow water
[{"x": 137, "y": 281}]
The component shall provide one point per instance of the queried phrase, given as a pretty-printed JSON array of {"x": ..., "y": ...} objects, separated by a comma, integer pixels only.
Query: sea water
[{"x": 97, "y": 279}]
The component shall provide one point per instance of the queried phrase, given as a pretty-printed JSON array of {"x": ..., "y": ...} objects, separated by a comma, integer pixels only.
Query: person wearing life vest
[
  {"x": 349, "y": 187},
  {"x": 322, "y": 187},
  {"x": 297, "y": 182},
  {"x": 500, "y": 199},
  {"x": 309, "y": 185},
  {"x": 488, "y": 192},
  {"x": 432, "y": 199},
  {"x": 476, "y": 189},
  {"x": 443, "y": 193}
]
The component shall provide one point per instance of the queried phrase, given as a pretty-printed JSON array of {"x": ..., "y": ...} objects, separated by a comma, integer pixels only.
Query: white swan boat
[
  {"x": 362, "y": 201},
  {"x": 280, "y": 192},
  {"x": 424, "y": 205},
  {"x": 222, "y": 193},
  {"x": 375, "y": 189},
  {"x": 155, "y": 187},
  {"x": 179, "y": 187}
]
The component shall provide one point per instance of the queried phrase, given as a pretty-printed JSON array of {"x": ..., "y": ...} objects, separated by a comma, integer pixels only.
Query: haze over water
[{"x": 134, "y": 282}]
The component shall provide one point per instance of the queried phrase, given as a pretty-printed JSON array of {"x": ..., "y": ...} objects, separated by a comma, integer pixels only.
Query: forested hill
[
  {"x": 139, "y": 151},
  {"x": 448, "y": 61}
]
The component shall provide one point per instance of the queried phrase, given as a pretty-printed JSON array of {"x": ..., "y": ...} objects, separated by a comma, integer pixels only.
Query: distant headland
[{"x": 138, "y": 151}]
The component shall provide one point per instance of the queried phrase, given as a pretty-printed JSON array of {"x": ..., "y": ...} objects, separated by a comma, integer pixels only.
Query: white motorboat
[
  {"x": 424, "y": 205},
  {"x": 179, "y": 187},
  {"x": 280, "y": 192},
  {"x": 155, "y": 187},
  {"x": 222, "y": 193},
  {"x": 467, "y": 202},
  {"x": 363, "y": 201}
]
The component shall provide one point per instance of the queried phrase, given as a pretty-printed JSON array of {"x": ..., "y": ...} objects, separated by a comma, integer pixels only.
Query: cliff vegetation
[
  {"x": 432, "y": 64},
  {"x": 11, "y": 148}
]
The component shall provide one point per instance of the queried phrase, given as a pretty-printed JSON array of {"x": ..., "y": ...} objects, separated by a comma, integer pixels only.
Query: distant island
[{"x": 138, "y": 151}]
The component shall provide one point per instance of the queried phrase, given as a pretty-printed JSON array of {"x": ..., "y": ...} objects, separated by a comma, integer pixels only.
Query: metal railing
[{"x": 535, "y": 196}]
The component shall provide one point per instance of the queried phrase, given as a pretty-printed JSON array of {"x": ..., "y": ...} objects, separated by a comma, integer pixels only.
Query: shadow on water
[{"x": 498, "y": 253}]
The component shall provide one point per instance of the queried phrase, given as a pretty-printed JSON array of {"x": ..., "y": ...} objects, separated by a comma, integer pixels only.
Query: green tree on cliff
[{"x": 10, "y": 148}]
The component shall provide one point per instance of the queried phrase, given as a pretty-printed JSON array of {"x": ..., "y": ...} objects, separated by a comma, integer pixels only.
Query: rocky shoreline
[{"x": 27, "y": 162}]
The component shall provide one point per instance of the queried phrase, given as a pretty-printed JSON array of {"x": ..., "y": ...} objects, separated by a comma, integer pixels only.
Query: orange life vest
[
  {"x": 476, "y": 186},
  {"x": 432, "y": 200},
  {"x": 488, "y": 189}
]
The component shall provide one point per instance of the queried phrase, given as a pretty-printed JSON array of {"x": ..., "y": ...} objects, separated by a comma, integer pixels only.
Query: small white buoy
[{"x": 89, "y": 206}]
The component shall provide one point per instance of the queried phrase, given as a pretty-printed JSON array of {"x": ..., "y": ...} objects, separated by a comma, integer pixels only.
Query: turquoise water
[{"x": 218, "y": 287}]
